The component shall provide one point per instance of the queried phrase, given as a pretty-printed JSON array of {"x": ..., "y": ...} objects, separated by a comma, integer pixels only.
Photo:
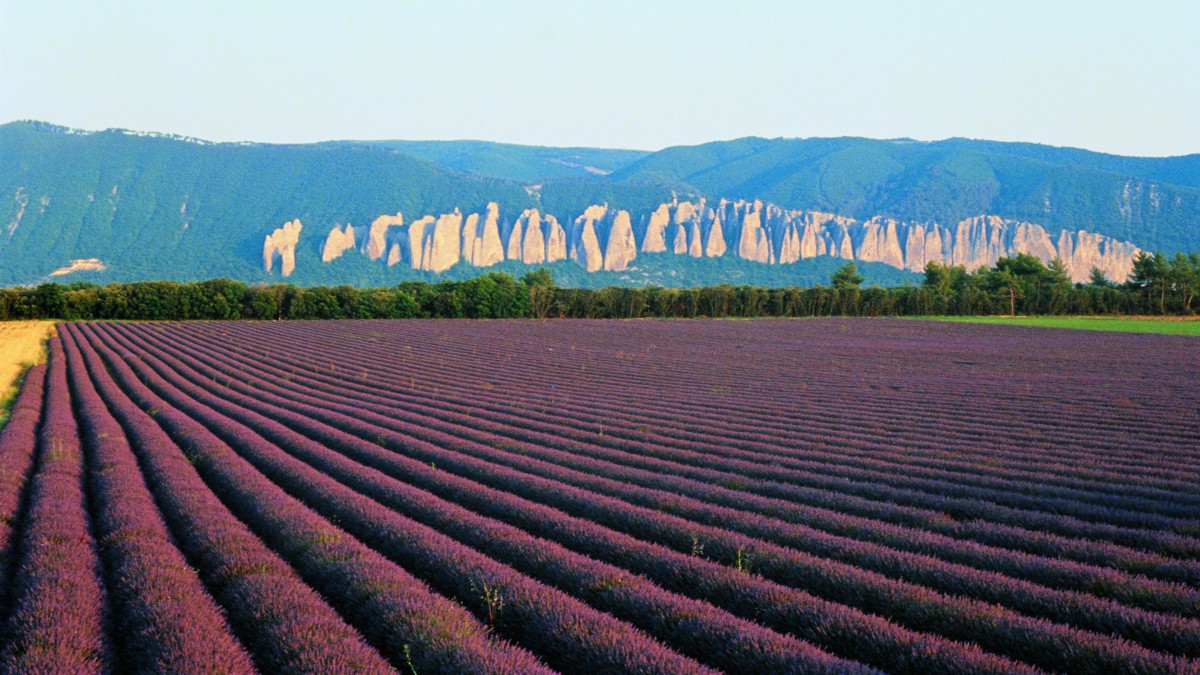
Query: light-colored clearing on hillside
[
  {"x": 1168, "y": 325},
  {"x": 22, "y": 344},
  {"x": 81, "y": 265}
]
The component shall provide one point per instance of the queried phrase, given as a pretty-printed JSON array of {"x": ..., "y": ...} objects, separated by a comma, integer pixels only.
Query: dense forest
[
  {"x": 1150, "y": 201},
  {"x": 163, "y": 208},
  {"x": 1018, "y": 285}
]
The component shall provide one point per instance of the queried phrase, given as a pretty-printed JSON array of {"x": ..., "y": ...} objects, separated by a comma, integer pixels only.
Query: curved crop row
[
  {"x": 523, "y": 497},
  {"x": 1154, "y": 630},
  {"x": 749, "y": 444},
  {"x": 283, "y": 623},
  {"x": 844, "y": 630},
  {"x": 58, "y": 607},
  {"x": 692, "y": 626},
  {"x": 712, "y": 489},
  {"x": 716, "y": 408},
  {"x": 1038, "y": 640},
  {"x": 864, "y": 505},
  {"x": 17, "y": 440},
  {"x": 168, "y": 622},
  {"x": 546, "y": 620}
]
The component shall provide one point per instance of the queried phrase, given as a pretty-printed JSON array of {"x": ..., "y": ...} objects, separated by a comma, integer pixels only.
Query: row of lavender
[
  {"x": 515, "y": 497},
  {"x": 1151, "y": 620},
  {"x": 959, "y": 424},
  {"x": 611, "y": 432},
  {"x": 842, "y": 582},
  {"x": 1113, "y": 517},
  {"x": 276, "y": 586}
]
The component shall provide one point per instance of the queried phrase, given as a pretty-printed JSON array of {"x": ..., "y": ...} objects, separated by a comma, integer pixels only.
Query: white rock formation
[
  {"x": 416, "y": 241},
  {"x": 621, "y": 248},
  {"x": 532, "y": 250},
  {"x": 377, "y": 243},
  {"x": 282, "y": 242},
  {"x": 603, "y": 238},
  {"x": 656, "y": 229},
  {"x": 440, "y": 248},
  {"x": 338, "y": 242},
  {"x": 481, "y": 244},
  {"x": 585, "y": 244},
  {"x": 556, "y": 240}
]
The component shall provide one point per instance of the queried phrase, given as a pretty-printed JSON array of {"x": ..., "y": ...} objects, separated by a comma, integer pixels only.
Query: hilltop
[{"x": 135, "y": 205}]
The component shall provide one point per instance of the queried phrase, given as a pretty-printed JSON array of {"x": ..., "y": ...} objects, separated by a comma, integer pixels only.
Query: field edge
[{"x": 1161, "y": 325}]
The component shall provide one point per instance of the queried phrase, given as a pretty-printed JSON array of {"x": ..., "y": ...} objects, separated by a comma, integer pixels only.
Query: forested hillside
[
  {"x": 129, "y": 206},
  {"x": 527, "y": 163},
  {"x": 1153, "y": 202},
  {"x": 166, "y": 208}
]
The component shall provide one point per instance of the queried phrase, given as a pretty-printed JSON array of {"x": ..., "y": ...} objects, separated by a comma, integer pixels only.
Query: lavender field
[{"x": 598, "y": 496}]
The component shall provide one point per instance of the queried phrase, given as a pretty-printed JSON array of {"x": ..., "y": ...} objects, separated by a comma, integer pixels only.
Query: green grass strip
[{"x": 1163, "y": 325}]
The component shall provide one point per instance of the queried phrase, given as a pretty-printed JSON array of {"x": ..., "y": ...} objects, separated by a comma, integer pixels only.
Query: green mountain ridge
[
  {"x": 1155, "y": 203},
  {"x": 155, "y": 206},
  {"x": 173, "y": 209},
  {"x": 524, "y": 163}
]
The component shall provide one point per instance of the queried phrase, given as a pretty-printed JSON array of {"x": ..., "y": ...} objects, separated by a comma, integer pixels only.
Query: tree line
[{"x": 1021, "y": 284}]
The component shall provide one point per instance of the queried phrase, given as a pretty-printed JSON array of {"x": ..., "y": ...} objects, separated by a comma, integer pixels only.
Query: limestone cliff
[
  {"x": 604, "y": 238},
  {"x": 490, "y": 251},
  {"x": 513, "y": 249},
  {"x": 536, "y": 238},
  {"x": 338, "y": 242},
  {"x": 714, "y": 242},
  {"x": 481, "y": 244},
  {"x": 754, "y": 242},
  {"x": 654, "y": 240},
  {"x": 471, "y": 242},
  {"x": 584, "y": 242},
  {"x": 533, "y": 246},
  {"x": 694, "y": 229},
  {"x": 282, "y": 242},
  {"x": 621, "y": 249},
  {"x": 556, "y": 240},
  {"x": 1082, "y": 251},
  {"x": 771, "y": 235},
  {"x": 416, "y": 241},
  {"x": 440, "y": 247},
  {"x": 377, "y": 242},
  {"x": 881, "y": 242}
]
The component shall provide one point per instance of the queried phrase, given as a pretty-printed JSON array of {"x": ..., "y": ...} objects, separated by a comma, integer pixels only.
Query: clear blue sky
[{"x": 1119, "y": 77}]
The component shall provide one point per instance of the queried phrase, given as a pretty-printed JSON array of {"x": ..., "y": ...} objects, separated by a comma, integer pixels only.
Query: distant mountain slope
[
  {"x": 156, "y": 207},
  {"x": 147, "y": 206},
  {"x": 523, "y": 163},
  {"x": 1153, "y": 202}
]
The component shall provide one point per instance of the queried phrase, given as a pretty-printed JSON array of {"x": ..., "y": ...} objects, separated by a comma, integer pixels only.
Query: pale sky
[{"x": 1119, "y": 77}]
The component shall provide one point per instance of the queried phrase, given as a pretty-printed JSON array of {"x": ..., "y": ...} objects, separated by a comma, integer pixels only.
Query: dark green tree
[
  {"x": 540, "y": 283},
  {"x": 941, "y": 284},
  {"x": 1097, "y": 279},
  {"x": 1007, "y": 283},
  {"x": 260, "y": 302},
  {"x": 847, "y": 277},
  {"x": 539, "y": 277},
  {"x": 1184, "y": 273},
  {"x": 50, "y": 301},
  {"x": 1053, "y": 288},
  {"x": 1150, "y": 273}
]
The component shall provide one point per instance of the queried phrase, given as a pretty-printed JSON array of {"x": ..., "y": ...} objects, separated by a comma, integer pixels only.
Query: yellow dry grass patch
[{"x": 22, "y": 344}]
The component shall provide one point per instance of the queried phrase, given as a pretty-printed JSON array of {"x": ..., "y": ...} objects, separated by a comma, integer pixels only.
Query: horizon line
[{"x": 367, "y": 141}]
